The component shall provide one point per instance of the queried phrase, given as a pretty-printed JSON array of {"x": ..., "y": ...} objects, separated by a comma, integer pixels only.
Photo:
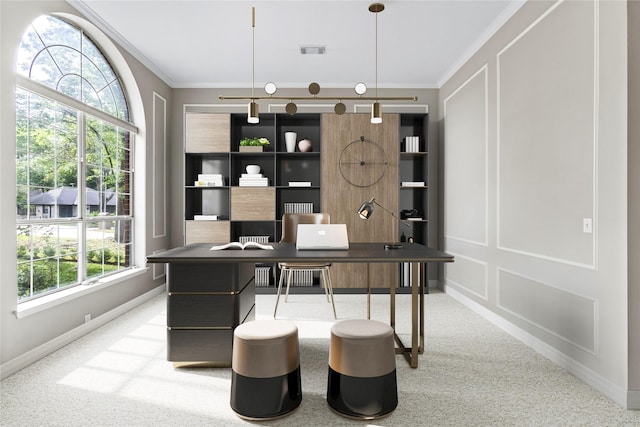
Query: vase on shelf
[
  {"x": 305, "y": 145},
  {"x": 290, "y": 141}
]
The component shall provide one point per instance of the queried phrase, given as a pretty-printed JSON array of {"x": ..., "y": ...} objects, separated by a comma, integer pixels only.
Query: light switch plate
[{"x": 587, "y": 225}]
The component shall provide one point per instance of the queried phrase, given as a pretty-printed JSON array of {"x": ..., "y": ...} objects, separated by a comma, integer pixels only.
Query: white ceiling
[{"x": 208, "y": 43}]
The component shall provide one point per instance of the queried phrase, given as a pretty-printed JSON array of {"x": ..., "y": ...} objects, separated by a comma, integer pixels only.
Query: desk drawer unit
[{"x": 205, "y": 304}]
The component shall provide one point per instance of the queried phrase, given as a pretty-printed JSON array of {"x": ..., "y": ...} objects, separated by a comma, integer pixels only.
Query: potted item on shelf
[{"x": 253, "y": 144}]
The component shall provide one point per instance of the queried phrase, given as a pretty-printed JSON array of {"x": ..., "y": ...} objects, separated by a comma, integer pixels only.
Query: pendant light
[
  {"x": 314, "y": 88},
  {"x": 376, "y": 109},
  {"x": 253, "y": 113}
]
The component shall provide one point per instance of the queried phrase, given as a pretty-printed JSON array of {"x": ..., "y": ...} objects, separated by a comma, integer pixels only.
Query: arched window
[{"x": 73, "y": 161}]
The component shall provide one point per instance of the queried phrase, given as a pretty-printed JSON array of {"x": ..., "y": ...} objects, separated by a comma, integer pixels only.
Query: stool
[
  {"x": 362, "y": 369},
  {"x": 265, "y": 370}
]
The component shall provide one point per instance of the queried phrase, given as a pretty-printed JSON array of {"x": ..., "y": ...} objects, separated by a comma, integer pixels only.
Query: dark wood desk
[{"x": 203, "y": 281}]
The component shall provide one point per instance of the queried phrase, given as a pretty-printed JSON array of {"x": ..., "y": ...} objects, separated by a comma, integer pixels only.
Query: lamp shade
[
  {"x": 376, "y": 113},
  {"x": 252, "y": 116},
  {"x": 365, "y": 210}
]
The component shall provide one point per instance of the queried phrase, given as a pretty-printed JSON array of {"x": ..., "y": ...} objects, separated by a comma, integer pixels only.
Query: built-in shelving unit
[
  {"x": 413, "y": 172},
  {"x": 228, "y": 211},
  {"x": 414, "y": 185},
  {"x": 246, "y": 210}
]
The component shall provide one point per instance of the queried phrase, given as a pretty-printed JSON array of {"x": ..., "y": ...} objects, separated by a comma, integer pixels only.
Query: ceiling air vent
[{"x": 313, "y": 50}]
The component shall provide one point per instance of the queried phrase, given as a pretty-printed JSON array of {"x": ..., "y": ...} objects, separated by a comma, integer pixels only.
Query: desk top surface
[{"x": 286, "y": 252}]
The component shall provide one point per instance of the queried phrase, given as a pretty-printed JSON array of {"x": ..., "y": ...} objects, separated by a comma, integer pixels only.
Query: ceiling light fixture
[
  {"x": 253, "y": 113},
  {"x": 376, "y": 109},
  {"x": 314, "y": 88}
]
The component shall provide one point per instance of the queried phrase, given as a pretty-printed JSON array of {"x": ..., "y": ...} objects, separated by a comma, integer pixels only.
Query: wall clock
[{"x": 362, "y": 163}]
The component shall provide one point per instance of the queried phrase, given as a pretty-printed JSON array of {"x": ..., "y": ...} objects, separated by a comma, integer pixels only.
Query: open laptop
[{"x": 322, "y": 236}]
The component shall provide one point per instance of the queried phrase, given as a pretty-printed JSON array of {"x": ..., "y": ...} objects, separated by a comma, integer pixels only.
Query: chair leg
[
  {"x": 327, "y": 283},
  {"x": 324, "y": 285},
  {"x": 286, "y": 296},
  {"x": 282, "y": 273}
]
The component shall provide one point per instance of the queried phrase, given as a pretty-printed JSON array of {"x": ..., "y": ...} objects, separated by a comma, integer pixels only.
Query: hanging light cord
[
  {"x": 376, "y": 55},
  {"x": 253, "y": 49},
  {"x": 375, "y": 8}
]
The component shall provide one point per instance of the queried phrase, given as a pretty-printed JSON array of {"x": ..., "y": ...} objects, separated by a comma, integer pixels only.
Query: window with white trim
[{"x": 74, "y": 164}]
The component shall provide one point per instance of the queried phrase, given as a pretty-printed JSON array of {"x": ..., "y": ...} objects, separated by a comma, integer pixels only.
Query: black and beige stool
[
  {"x": 362, "y": 369},
  {"x": 265, "y": 370}
]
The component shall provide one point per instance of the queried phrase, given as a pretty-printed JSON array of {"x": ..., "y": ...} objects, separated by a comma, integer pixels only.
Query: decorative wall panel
[
  {"x": 547, "y": 117},
  {"x": 469, "y": 274},
  {"x": 568, "y": 316},
  {"x": 159, "y": 167},
  {"x": 342, "y": 199},
  {"x": 465, "y": 161}
]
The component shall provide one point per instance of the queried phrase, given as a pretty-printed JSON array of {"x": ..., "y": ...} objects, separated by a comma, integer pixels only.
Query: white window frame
[{"x": 38, "y": 303}]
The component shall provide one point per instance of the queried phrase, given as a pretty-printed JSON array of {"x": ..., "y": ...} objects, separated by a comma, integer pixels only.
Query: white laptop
[{"x": 322, "y": 236}]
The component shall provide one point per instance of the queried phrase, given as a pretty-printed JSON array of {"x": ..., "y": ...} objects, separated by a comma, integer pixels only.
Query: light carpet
[{"x": 471, "y": 374}]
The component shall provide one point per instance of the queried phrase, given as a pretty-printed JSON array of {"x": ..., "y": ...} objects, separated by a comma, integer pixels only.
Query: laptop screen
[{"x": 322, "y": 236}]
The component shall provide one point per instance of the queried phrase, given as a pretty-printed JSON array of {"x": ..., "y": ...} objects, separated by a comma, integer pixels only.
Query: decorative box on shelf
[{"x": 251, "y": 148}]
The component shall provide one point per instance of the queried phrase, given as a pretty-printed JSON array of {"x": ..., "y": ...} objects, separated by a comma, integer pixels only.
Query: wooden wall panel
[{"x": 342, "y": 199}]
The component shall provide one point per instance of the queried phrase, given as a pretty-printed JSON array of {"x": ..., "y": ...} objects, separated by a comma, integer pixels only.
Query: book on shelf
[
  {"x": 301, "y": 278},
  {"x": 298, "y": 207},
  {"x": 253, "y": 182},
  {"x": 208, "y": 184},
  {"x": 413, "y": 184},
  {"x": 209, "y": 180},
  {"x": 259, "y": 239},
  {"x": 238, "y": 245},
  {"x": 413, "y": 219},
  {"x": 412, "y": 144},
  {"x": 205, "y": 217},
  {"x": 262, "y": 276},
  {"x": 299, "y": 183},
  {"x": 252, "y": 175}
]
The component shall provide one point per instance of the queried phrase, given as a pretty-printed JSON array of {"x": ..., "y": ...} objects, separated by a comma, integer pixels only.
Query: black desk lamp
[{"x": 366, "y": 210}]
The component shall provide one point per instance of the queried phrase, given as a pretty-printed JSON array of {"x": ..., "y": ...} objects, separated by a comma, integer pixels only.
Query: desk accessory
[{"x": 366, "y": 210}]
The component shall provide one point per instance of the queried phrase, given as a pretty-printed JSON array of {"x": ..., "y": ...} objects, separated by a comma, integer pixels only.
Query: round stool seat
[
  {"x": 362, "y": 369},
  {"x": 265, "y": 369}
]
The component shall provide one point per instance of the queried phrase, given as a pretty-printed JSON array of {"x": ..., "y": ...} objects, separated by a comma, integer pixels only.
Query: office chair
[{"x": 289, "y": 232}]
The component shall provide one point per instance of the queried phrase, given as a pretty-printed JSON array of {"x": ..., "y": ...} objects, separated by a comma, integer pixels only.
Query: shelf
[{"x": 212, "y": 147}]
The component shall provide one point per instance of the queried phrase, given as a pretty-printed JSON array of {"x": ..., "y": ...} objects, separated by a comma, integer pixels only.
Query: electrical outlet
[
  {"x": 587, "y": 225},
  {"x": 87, "y": 318}
]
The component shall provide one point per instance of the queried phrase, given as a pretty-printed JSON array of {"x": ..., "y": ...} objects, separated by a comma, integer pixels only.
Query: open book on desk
[{"x": 238, "y": 245}]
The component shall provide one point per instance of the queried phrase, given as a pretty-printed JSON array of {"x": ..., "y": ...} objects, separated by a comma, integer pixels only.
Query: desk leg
[
  {"x": 368, "y": 295},
  {"x": 417, "y": 317},
  {"x": 424, "y": 282}
]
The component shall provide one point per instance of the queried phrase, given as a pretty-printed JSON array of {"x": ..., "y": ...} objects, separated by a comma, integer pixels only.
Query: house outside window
[{"x": 74, "y": 174}]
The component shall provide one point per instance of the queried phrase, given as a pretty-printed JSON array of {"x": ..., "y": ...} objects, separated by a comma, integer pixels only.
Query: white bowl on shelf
[{"x": 253, "y": 169}]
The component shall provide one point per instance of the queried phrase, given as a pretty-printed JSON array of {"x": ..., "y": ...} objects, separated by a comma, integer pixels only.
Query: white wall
[
  {"x": 535, "y": 141},
  {"x": 24, "y": 340}
]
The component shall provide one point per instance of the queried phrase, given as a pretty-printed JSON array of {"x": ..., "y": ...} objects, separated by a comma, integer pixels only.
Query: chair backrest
[{"x": 290, "y": 223}]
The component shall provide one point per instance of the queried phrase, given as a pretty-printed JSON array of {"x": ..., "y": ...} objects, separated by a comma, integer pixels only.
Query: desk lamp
[{"x": 366, "y": 210}]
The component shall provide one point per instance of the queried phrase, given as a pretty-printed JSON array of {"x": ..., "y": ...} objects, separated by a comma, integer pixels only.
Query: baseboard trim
[
  {"x": 604, "y": 386},
  {"x": 633, "y": 400},
  {"x": 18, "y": 363}
]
